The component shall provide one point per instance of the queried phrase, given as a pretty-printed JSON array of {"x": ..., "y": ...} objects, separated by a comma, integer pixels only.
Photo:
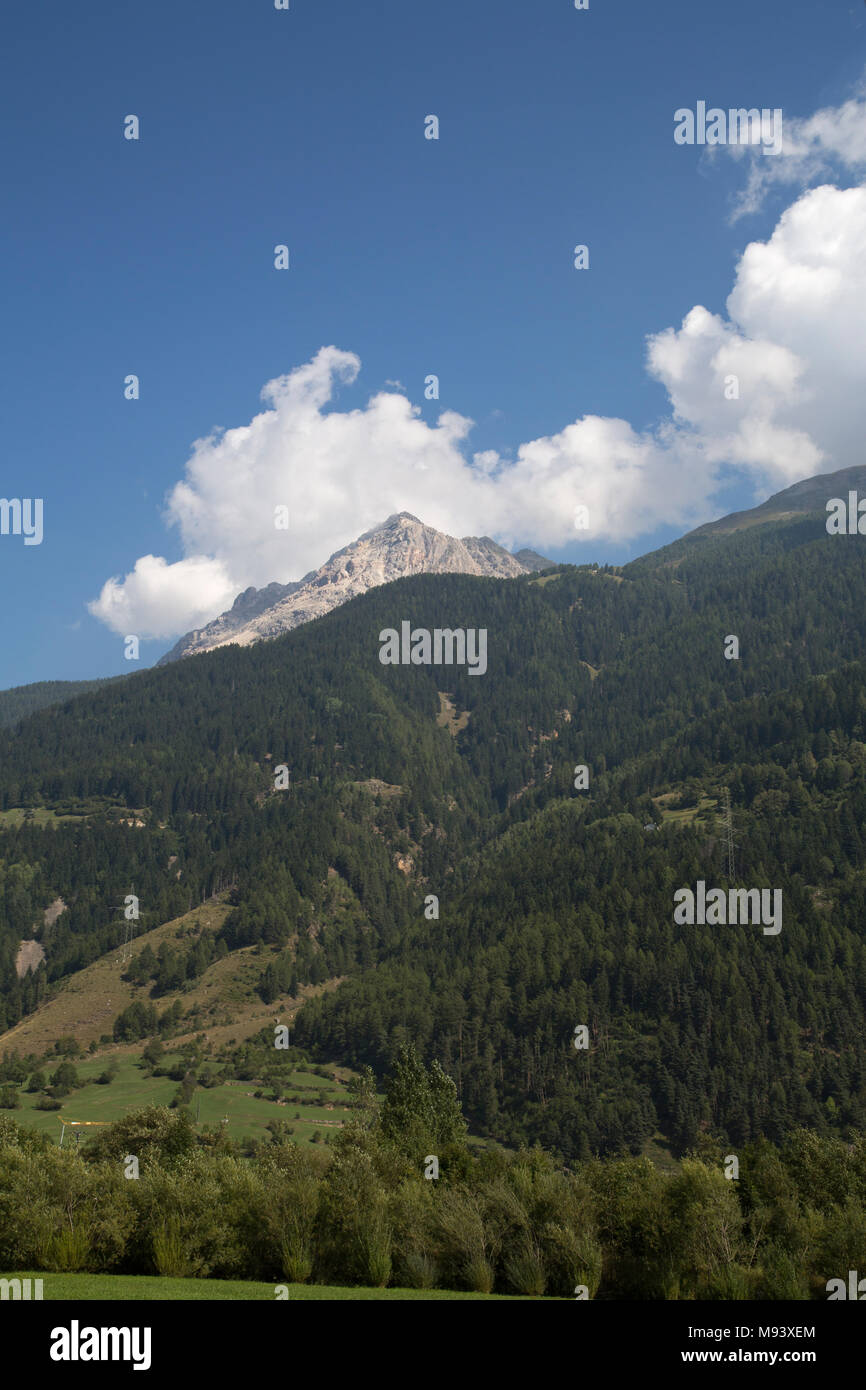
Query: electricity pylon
[
  {"x": 729, "y": 832},
  {"x": 129, "y": 929}
]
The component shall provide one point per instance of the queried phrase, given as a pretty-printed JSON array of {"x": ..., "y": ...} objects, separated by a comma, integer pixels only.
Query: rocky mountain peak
[{"x": 400, "y": 545}]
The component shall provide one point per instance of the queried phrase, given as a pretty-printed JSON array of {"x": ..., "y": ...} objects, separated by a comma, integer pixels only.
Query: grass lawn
[{"x": 147, "y": 1288}]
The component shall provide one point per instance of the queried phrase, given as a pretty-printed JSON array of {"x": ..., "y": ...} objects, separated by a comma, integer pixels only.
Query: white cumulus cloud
[
  {"x": 793, "y": 339},
  {"x": 157, "y": 599},
  {"x": 791, "y": 336},
  {"x": 813, "y": 148}
]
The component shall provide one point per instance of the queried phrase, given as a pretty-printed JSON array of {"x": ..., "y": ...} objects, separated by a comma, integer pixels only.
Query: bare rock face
[
  {"x": 400, "y": 546},
  {"x": 30, "y": 956}
]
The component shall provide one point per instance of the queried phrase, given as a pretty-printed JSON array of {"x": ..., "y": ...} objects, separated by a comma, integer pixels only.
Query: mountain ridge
[
  {"x": 403, "y": 545},
  {"x": 399, "y": 546},
  {"x": 552, "y": 905}
]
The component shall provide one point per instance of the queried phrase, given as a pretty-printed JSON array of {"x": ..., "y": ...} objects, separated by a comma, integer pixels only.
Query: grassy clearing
[
  {"x": 87, "y": 1003},
  {"x": 16, "y": 815},
  {"x": 222, "y": 1008},
  {"x": 248, "y": 1115},
  {"x": 658, "y": 1151},
  {"x": 225, "y": 1005},
  {"x": 448, "y": 718},
  {"x": 707, "y": 809},
  {"x": 378, "y": 788},
  {"x": 151, "y": 1289}
]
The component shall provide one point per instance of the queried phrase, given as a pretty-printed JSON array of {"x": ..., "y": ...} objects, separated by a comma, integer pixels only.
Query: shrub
[
  {"x": 152, "y": 1132},
  {"x": 780, "y": 1277},
  {"x": 353, "y": 1233},
  {"x": 373, "y": 1240},
  {"x": 733, "y": 1283},
  {"x": 69, "y": 1249},
  {"x": 524, "y": 1269},
  {"x": 296, "y": 1260},
  {"x": 64, "y": 1079},
  {"x": 464, "y": 1241},
  {"x": 183, "y": 1222},
  {"x": 842, "y": 1245},
  {"x": 170, "y": 1251},
  {"x": 290, "y": 1206},
  {"x": 419, "y": 1271},
  {"x": 411, "y": 1214},
  {"x": 479, "y": 1275},
  {"x": 571, "y": 1257}
]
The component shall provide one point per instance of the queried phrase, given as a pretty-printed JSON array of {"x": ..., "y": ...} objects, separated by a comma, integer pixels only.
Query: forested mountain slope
[
  {"x": 555, "y": 904},
  {"x": 21, "y": 700}
]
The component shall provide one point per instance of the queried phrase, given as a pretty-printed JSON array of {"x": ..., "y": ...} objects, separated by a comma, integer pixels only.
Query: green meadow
[
  {"x": 38, "y": 815},
  {"x": 247, "y": 1115},
  {"x": 118, "y": 1288}
]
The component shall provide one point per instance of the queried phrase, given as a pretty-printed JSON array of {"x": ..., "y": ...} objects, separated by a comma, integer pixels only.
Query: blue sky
[{"x": 453, "y": 257}]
